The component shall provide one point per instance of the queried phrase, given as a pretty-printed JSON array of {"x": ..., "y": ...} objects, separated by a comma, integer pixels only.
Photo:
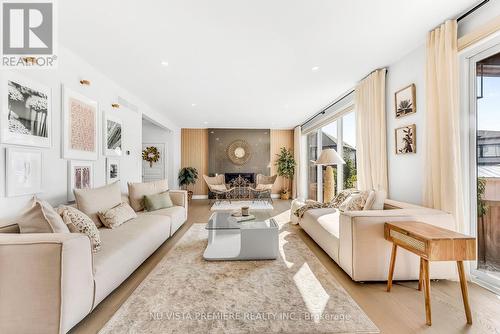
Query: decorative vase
[
  {"x": 285, "y": 194},
  {"x": 190, "y": 195}
]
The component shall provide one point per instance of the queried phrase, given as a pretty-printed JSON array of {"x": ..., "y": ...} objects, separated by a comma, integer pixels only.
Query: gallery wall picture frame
[
  {"x": 405, "y": 101},
  {"x": 26, "y": 117},
  {"x": 406, "y": 139},
  {"x": 112, "y": 127},
  {"x": 80, "y": 176},
  {"x": 23, "y": 169},
  {"x": 112, "y": 170},
  {"x": 80, "y": 125}
]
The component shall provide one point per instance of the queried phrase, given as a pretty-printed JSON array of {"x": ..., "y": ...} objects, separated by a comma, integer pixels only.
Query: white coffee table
[{"x": 251, "y": 240}]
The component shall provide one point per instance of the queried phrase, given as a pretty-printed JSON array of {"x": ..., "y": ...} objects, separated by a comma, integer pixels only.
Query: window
[{"x": 340, "y": 135}]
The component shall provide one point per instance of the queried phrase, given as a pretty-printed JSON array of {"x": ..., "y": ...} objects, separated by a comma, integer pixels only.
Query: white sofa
[
  {"x": 51, "y": 281},
  {"x": 355, "y": 240}
]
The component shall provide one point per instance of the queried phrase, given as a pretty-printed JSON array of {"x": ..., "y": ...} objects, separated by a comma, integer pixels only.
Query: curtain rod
[
  {"x": 472, "y": 10},
  {"x": 322, "y": 112}
]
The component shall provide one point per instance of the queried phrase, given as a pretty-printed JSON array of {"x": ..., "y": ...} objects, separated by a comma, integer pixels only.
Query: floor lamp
[{"x": 329, "y": 157}]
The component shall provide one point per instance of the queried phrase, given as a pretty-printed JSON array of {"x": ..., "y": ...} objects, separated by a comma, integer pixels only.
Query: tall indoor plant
[
  {"x": 188, "y": 176},
  {"x": 286, "y": 168}
]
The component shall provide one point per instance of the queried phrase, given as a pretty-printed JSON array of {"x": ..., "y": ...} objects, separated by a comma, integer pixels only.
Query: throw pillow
[
  {"x": 355, "y": 202},
  {"x": 41, "y": 218},
  {"x": 341, "y": 197},
  {"x": 116, "y": 216},
  {"x": 370, "y": 200},
  {"x": 380, "y": 197},
  {"x": 158, "y": 201},
  {"x": 263, "y": 187},
  {"x": 218, "y": 187},
  {"x": 137, "y": 191},
  {"x": 78, "y": 222},
  {"x": 91, "y": 201}
]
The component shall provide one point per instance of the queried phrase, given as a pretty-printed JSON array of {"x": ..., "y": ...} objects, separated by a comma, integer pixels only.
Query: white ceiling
[{"x": 245, "y": 63}]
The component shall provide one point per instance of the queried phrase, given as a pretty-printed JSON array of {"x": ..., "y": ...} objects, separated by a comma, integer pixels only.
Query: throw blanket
[{"x": 334, "y": 203}]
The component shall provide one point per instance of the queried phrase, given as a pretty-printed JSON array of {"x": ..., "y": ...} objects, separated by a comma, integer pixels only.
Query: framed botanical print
[
  {"x": 80, "y": 176},
  {"x": 26, "y": 117},
  {"x": 406, "y": 139},
  {"x": 23, "y": 171},
  {"x": 112, "y": 170},
  {"x": 80, "y": 126},
  {"x": 112, "y": 135},
  {"x": 405, "y": 101}
]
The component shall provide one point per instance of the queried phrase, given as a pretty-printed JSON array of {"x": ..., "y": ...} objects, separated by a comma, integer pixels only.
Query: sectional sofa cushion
[
  {"x": 91, "y": 201},
  {"x": 380, "y": 197},
  {"x": 78, "y": 222},
  {"x": 177, "y": 215},
  {"x": 41, "y": 218},
  {"x": 125, "y": 248},
  {"x": 137, "y": 191},
  {"x": 116, "y": 216},
  {"x": 157, "y": 201}
]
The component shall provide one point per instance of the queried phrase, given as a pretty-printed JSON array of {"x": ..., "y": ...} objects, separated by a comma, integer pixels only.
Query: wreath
[{"x": 151, "y": 154}]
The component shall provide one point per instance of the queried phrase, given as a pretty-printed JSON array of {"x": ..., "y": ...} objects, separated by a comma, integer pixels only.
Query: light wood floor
[{"x": 401, "y": 311}]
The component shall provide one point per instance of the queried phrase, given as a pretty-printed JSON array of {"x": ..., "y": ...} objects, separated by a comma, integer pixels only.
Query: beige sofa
[
  {"x": 49, "y": 282},
  {"x": 355, "y": 240}
]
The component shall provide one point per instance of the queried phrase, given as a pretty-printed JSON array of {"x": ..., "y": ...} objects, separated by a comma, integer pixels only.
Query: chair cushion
[
  {"x": 177, "y": 214},
  {"x": 91, "y": 201},
  {"x": 125, "y": 248},
  {"x": 218, "y": 187},
  {"x": 137, "y": 191},
  {"x": 264, "y": 187}
]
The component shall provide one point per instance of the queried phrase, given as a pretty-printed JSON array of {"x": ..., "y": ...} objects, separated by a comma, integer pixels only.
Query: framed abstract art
[
  {"x": 112, "y": 170},
  {"x": 80, "y": 126},
  {"x": 26, "y": 117},
  {"x": 23, "y": 171},
  {"x": 80, "y": 176},
  {"x": 112, "y": 135}
]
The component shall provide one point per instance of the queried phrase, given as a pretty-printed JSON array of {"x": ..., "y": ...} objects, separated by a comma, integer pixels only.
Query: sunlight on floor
[
  {"x": 314, "y": 295},
  {"x": 282, "y": 243}
]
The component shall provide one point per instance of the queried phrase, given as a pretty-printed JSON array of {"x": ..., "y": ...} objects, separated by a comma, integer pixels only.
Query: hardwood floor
[{"x": 401, "y": 311}]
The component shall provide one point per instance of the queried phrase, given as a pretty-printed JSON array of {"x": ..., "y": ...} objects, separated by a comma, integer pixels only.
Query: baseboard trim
[{"x": 200, "y": 196}]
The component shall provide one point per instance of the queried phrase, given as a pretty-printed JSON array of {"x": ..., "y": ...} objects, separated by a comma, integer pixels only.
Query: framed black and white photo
[
  {"x": 80, "y": 176},
  {"x": 112, "y": 170},
  {"x": 406, "y": 139},
  {"x": 405, "y": 101},
  {"x": 26, "y": 117},
  {"x": 112, "y": 136},
  {"x": 23, "y": 171},
  {"x": 80, "y": 125}
]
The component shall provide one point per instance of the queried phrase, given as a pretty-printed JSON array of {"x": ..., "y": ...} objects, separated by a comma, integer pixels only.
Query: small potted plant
[
  {"x": 187, "y": 177},
  {"x": 286, "y": 168}
]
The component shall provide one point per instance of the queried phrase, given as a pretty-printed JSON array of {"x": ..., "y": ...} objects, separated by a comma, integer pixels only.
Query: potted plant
[
  {"x": 286, "y": 168},
  {"x": 188, "y": 176}
]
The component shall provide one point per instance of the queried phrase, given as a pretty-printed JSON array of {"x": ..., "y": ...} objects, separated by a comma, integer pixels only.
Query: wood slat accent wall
[
  {"x": 194, "y": 153},
  {"x": 279, "y": 139}
]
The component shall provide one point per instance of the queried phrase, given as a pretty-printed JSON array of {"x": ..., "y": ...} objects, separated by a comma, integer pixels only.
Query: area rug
[
  {"x": 236, "y": 205},
  {"x": 186, "y": 294}
]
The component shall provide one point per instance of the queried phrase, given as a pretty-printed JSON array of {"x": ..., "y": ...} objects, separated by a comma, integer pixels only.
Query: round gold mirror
[{"x": 238, "y": 152}]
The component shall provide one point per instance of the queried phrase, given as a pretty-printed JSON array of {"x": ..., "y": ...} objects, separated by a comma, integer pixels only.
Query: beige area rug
[{"x": 186, "y": 294}]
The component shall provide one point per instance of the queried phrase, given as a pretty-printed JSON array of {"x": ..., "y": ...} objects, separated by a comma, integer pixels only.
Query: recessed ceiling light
[
  {"x": 315, "y": 68},
  {"x": 193, "y": 104},
  {"x": 205, "y": 122},
  {"x": 164, "y": 63}
]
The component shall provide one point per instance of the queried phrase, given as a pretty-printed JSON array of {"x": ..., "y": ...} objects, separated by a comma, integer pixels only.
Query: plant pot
[
  {"x": 190, "y": 195},
  {"x": 285, "y": 195}
]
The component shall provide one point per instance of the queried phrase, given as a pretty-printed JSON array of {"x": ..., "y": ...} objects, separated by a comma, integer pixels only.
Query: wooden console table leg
[
  {"x": 427, "y": 293},
  {"x": 465, "y": 292},
  {"x": 421, "y": 275},
  {"x": 391, "y": 266}
]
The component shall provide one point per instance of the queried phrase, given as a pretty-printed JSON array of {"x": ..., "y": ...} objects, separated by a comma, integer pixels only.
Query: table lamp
[{"x": 329, "y": 157}]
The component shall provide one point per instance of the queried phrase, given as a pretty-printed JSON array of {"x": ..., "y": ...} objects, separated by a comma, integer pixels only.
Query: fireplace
[{"x": 249, "y": 177}]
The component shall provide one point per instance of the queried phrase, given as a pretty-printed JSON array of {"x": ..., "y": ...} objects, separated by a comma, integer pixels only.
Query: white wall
[
  {"x": 152, "y": 133},
  {"x": 102, "y": 89}
]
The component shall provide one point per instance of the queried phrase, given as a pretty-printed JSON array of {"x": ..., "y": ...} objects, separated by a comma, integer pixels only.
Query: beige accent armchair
[
  {"x": 217, "y": 185},
  {"x": 263, "y": 186}
]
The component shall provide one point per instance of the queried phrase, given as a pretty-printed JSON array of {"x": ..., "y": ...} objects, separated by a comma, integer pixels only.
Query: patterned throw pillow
[
  {"x": 116, "y": 216},
  {"x": 355, "y": 202},
  {"x": 78, "y": 222},
  {"x": 341, "y": 197}
]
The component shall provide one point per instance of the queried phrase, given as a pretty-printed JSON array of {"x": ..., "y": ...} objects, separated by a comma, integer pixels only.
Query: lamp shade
[{"x": 329, "y": 157}]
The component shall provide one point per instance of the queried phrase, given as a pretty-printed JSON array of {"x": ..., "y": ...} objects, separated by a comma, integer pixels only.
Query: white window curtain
[
  {"x": 443, "y": 182},
  {"x": 371, "y": 150},
  {"x": 297, "y": 136}
]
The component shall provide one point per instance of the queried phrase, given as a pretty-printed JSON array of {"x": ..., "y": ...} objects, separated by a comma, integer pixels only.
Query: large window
[{"x": 340, "y": 135}]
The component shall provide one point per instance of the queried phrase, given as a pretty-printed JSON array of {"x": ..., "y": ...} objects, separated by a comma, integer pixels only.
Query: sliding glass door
[{"x": 485, "y": 109}]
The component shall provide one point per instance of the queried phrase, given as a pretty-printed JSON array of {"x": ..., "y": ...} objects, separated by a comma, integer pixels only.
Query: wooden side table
[{"x": 431, "y": 243}]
